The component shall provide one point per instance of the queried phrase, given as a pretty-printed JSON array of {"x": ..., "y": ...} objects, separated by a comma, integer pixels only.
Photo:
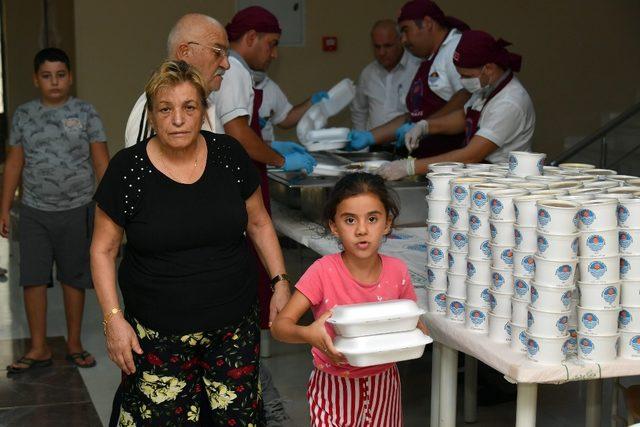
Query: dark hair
[
  {"x": 51, "y": 54},
  {"x": 357, "y": 183}
]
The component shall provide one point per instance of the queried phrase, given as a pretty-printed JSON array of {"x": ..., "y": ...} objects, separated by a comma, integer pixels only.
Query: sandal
[
  {"x": 75, "y": 357},
  {"x": 31, "y": 363}
]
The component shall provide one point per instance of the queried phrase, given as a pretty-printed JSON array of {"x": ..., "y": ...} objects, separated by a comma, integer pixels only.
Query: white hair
[{"x": 188, "y": 27}]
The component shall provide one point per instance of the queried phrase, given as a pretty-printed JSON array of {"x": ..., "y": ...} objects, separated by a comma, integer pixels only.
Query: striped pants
[{"x": 373, "y": 401}]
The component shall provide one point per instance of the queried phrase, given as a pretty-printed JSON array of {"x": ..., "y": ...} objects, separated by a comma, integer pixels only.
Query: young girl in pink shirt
[{"x": 360, "y": 213}]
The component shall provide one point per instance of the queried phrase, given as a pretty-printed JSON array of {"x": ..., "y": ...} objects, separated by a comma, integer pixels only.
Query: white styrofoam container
[
  {"x": 629, "y": 319},
  {"x": 602, "y": 243},
  {"x": 518, "y": 338},
  {"x": 557, "y": 246},
  {"x": 629, "y": 240},
  {"x": 551, "y": 298},
  {"x": 522, "y": 288},
  {"x": 502, "y": 279},
  {"x": 501, "y": 203},
  {"x": 478, "y": 294},
  {"x": 557, "y": 216},
  {"x": 525, "y": 238},
  {"x": 479, "y": 248},
  {"x": 519, "y": 311},
  {"x": 593, "y": 321},
  {"x": 438, "y": 185},
  {"x": 355, "y": 320},
  {"x": 457, "y": 286},
  {"x": 479, "y": 270},
  {"x": 502, "y": 256},
  {"x": 458, "y": 216},
  {"x": 460, "y": 190},
  {"x": 600, "y": 295},
  {"x": 502, "y": 232},
  {"x": 499, "y": 328},
  {"x": 599, "y": 214},
  {"x": 547, "y": 350},
  {"x": 438, "y": 233},
  {"x": 479, "y": 224},
  {"x": 548, "y": 323},
  {"x": 525, "y": 163},
  {"x": 629, "y": 213},
  {"x": 437, "y": 256},
  {"x": 630, "y": 293},
  {"x": 526, "y": 210},
  {"x": 500, "y": 303},
  {"x": 524, "y": 264},
  {"x": 597, "y": 348},
  {"x": 437, "y": 277},
  {"x": 458, "y": 262},
  {"x": 599, "y": 270},
  {"x": 455, "y": 309},
  {"x": 629, "y": 345},
  {"x": 555, "y": 272},
  {"x": 630, "y": 266},
  {"x": 477, "y": 318},
  {"x": 437, "y": 301},
  {"x": 458, "y": 241},
  {"x": 437, "y": 210},
  {"x": 385, "y": 348},
  {"x": 480, "y": 196},
  {"x": 340, "y": 96}
]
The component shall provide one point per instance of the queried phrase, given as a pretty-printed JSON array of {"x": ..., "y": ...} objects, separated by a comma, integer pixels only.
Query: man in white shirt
[
  {"x": 498, "y": 118},
  {"x": 200, "y": 41},
  {"x": 384, "y": 83}
]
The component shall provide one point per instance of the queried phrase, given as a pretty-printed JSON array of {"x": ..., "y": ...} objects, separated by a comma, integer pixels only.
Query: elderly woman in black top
[{"x": 187, "y": 200}]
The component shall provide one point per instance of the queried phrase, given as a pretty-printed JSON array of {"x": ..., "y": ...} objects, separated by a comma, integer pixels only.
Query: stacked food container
[{"x": 628, "y": 215}]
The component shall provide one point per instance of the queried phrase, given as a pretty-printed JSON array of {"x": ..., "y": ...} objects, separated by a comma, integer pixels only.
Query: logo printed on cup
[
  {"x": 507, "y": 328},
  {"x": 534, "y": 294},
  {"x": 492, "y": 301},
  {"x": 431, "y": 276},
  {"x": 529, "y": 264},
  {"x": 518, "y": 237},
  {"x": 498, "y": 280},
  {"x": 436, "y": 254},
  {"x": 561, "y": 324},
  {"x": 441, "y": 300},
  {"x": 609, "y": 294},
  {"x": 625, "y": 267},
  {"x": 623, "y": 214},
  {"x": 532, "y": 347},
  {"x": 522, "y": 336},
  {"x": 541, "y": 166},
  {"x": 451, "y": 260},
  {"x": 454, "y": 216},
  {"x": 624, "y": 239},
  {"x": 566, "y": 298},
  {"x": 435, "y": 232},
  {"x": 530, "y": 320},
  {"x": 496, "y": 206},
  {"x": 456, "y": 307},
  {"x": 486, "y": 249},
  {"x": 507, "y": 256},
  {"x": 542, "y": 244},
  {"x": 471, "y": 269},
  {"x": 586, "y": 346},
  {"x": 460, "y": 240},
  {"x": 590, "y": 320},
  {"x": 479, "y": 199},
  {"x": 474, "y": 222},
  {"x": 477, "y": 317},
  {"x": 543, "y": 217},
  {"x": 459, "y": 193},
  {"x": 485, "y": 295},
  {"x": 624, "y": 318},
  {"x": 634, "y": 342},
  {"x": 513, "y": 163},
  {"x": 595, "y": 242},
  {"x": 597, "y": 269},
  {"x": 521, "y": 288},
  {"x": 574, "y": 246},
  {"x": 587, "y": 216},
  {"x": 494, "y": 231},
  {"x": 564, "y": 272}
]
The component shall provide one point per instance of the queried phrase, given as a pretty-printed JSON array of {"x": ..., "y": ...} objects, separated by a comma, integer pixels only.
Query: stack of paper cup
[
  {"x": 629, "y": 243},
  {"x": 501, "y": 229},
  {"x": 437, "y": 239},
  {"x": 548, "y": 339},
  {"x": 599, "y": 281}
]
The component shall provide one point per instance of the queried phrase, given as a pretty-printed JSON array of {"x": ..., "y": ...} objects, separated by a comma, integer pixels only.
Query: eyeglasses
[{"x": 219, "y": 51}]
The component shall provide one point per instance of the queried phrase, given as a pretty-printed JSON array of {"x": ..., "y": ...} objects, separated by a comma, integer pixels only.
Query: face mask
[
  {"x": 471, "y": 84},
  {"x": 258, "y": 76}
]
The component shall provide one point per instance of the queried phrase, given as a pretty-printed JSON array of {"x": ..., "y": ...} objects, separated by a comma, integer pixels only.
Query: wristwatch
[{"x": 278, "y": 278}]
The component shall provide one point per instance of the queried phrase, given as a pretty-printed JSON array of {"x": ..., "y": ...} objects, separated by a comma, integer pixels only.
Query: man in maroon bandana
[
  {"x": 435, "y": 90},
  {"x": 497, "y": 119}
]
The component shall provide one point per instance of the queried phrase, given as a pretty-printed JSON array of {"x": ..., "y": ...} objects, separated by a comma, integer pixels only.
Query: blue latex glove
[
  {"x": 262, "y": 121},
  {"x": 319, "y": 96},
  {"x": 286, "y": 147},
  {"x": 400, "y": 133},
  {"x": 359, "y": 139},
  {"x": 298, "y": 161}
]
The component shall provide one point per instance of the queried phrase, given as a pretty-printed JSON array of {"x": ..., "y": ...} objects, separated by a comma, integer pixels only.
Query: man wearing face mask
[
  {"x": 498, "y": 118},
  {"x": 435, "y": 90}
]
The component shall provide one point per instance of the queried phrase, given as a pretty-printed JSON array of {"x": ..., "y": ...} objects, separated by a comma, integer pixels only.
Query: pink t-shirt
[{"x": 328, "y": 283}]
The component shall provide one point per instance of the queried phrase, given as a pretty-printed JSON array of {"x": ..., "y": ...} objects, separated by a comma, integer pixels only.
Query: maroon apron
[
  {"x": 472, "y": 117},
  {"x": 264, "y": 288},
  {"x": 423, "y": 102}
]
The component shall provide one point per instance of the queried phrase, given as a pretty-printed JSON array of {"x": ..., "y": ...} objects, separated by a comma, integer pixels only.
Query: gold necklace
[{"x": 170, "y": 172}]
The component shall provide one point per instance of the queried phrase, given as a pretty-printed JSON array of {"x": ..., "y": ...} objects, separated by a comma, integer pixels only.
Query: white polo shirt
[
  {"x": 380, "y": 94},
  {"x": 138, "y": 128},
  {"x": 508, "y": 120},
  {"x": 444, "y": 79},
  {"x": 274, "y": 108},
  {"x": 235, "y": 97}
]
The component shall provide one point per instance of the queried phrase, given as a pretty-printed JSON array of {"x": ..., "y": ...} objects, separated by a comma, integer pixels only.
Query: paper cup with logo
[
  {"x": 565, "y": 185},
  {"x": 550, "y": 194},
  {"x": 460, "y": 190},
  {"x": 458, "y": 216},
  {"x": 629, "y": 345},
  {"x": 599, "y": 270},
  {"x": 499, "y": 328},
  {"x": 437, "y": 256},
  {"x": 557, "y": 216},
  {"x": 522, "y": 288},
  {"x": 560, "y": 273},
  {"x": 544, "y": 179},
  {"x": 500, "y": 303},
  {"x": 601, "y": 243},
  {"x": 437, "y": 277},
  {"x": 629, "y": 319},
  {"x": 479, "y": 224},
  {"x": 445, "y": 166},
  {"x": 455, "y": 309},
  {"x": 502, "y": 279},
  {"x": 630, "y": 267},
  {"x": 524, "y": 163},
  {"x": 457, "y": 286},
  {"x": 519, "y": 311},
  {"x": 478, "y": 294},
  {"x": 502, "y": 256},
  {"x": 529, "y": 186},
  {"x": 502, "y": 232},
  {"x": 557, "y": 246},
  {"x": 524, "y": 264},
  {"x": 501, "y": 203},
  {"x": 629, "y": 213},
  {"x": 438, "y": 233},
  {"x": 525, "y": 238},
  {"x": 592, "y": 321},
  {"x": 599, "y": 214},
  {"x": 597, "y": 349},
  {"x": 526, "y": 211},
  {"x": 578, "y": 198},
  {"x": 437, "y": 210},
  {"x": 547, "y": 350},
  {"x": 601, "y": 185},
  {"x": 458, "y": 263},
  {"x": 600, "y": 173},
  {"x": 437, "y": 301},
  {"x": 480, "y": 195},
  {"x": 458, "y": 241},
  {"x": 600, "y": 295},
  {"x": 438, "y": 185},
  {"x": 576, "y": 166},
  {"x": 477, "y": 319},
  {"x": 479, "y": 248},
  {"x": 518, "y": 338},
  {"x": 551, "y": 298},
  {"x": 629, "y": 240},
  {"x": 630, "y": 293},
  {"x": 479, "y": 270},
  {"x": 548, "y": 323}
]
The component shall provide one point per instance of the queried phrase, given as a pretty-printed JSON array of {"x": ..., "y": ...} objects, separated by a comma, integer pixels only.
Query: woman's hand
[
  {"x": 121, "y": 340},
  {"x": 320, "y": 339},
  {"x": 423, "y": 327},
  {"x": 5, "y": 219},
  {"x": 279, "y": 299}
]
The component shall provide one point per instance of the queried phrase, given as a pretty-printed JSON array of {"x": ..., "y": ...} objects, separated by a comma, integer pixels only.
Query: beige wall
[{"x": 579, "y": 56}]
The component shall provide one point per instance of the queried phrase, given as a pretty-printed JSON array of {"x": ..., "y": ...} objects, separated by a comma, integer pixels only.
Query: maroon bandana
[
  {"x": 418, "y": 9},
  {"x": 254, "y": 18},
  {"x": 477, "y": 48}
]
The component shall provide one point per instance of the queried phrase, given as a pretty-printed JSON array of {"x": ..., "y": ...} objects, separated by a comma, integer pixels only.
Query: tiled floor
[{"x": 290, "y": 365}]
